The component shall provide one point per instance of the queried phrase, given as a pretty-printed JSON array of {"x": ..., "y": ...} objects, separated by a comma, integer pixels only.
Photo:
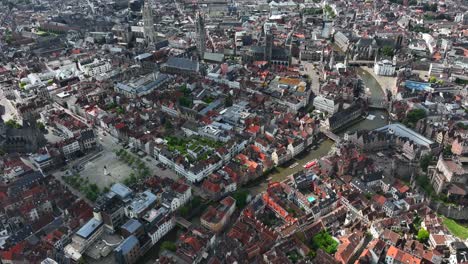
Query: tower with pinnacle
[
  {"x": 148, "y": 23},
  {"x": 331, "y": 65},
  {"x": 268, "y": 45},
  {"x": 201, "y": 35}
]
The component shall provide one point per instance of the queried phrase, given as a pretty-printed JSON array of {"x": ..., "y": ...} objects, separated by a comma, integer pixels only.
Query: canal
[
  {"x": 281, "y": 173},
  {"x": 380, "y": 119}
]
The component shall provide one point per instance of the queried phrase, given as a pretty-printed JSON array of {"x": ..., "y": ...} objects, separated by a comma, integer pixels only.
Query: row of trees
[
  {"x": 90, "y": 190},
  {"x": 12, "y": 123},
  {"x": 141, "y": 171}
]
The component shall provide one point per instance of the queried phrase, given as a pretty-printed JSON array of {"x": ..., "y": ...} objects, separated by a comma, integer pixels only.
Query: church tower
[
  {"x": 148, "y": 23},
  {"x": 268, "y": 45},
  {"x": 201, "y": 34}
]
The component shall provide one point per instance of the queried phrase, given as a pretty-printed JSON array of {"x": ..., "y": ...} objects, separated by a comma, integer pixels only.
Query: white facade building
[
  {"x": 160, "y": 221},
  {"x": 385, "y": 68},
  {"x": 328, "y": 105},
  {"x": 95, "y": 67}
]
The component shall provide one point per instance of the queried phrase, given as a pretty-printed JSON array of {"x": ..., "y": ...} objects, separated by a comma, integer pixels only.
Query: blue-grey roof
[
  {"x": 89, "y": 228},
  {"x": 183, "y": 63},
  {"x": 418, "y": 86},
  {"x": 121, "y": 190},
  {"x": 144, "y": 84},
  {"x": 132, "y": 225},
  {"x": 142, "y": 202},
  {"x": 41, "y": 158},
  {"x": 25, "y": 181},
  {"x": 211, "y": 106},
  {"x": 143, "y": 56},
  {"x": 402, "y": 131},
  {"x": 20, "y": 235},
  {"x": 217, "y": 57},
  {"x": 127, "y": 245}
]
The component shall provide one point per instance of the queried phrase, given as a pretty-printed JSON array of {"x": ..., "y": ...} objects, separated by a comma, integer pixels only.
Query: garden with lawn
[
  {"x": 200, "y": 146},
  {"x": 457, "y": 229}
]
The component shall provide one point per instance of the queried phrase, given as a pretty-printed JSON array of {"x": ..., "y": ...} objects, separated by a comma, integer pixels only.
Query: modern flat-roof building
[
  {"x": 140, "y": 204},
  {"x": 122, "y": 191},
  {"x": 128, "y": 251},
  {"x": 142, "y": 85},
  {"x": 84, "y": 237}
]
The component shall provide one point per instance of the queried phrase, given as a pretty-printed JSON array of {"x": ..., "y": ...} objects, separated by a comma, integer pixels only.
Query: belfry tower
[
  {"x": 201, "y": 35},
  {"x": 148, "y": 23}
]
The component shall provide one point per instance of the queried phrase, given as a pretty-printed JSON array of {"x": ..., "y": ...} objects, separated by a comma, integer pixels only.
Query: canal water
[
  {"x": 281, "y": 173},
  {"x": 380, "y": 119}
]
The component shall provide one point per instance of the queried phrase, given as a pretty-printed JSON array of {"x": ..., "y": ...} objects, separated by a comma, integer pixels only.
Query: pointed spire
[
  {"x": 346, "y": 59},
  {"x": 322, "y": 55},
  {"x": 332, "y": 60}
]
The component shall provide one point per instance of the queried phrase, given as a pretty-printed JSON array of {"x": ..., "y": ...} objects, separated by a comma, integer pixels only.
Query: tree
[
  {"x": 425, "y": 162},
  {"x": 423, "y": 235},
  {"x": 417, "y": 222},
  {"x": 94, "y": 187},
  {"x": 120, "y": 110},
  {"x": 40, "y": 125},
  {"x": 324, "y": 241},
  {"x": 185, "y": 101},
  {"x": 241, "y": 198},
  {"x": 168, "y": 245},
  {"x": 432, "y": 79},
  {"x": 184, "y": 211},
  {"x": 414, "y": 116},
  {"x": 419, "y": 29},
  {"x": 387, "y": 51},
  {"x": 168, "y": 125},
  {"x": 82, "y": 261},
  {"x": 447, "y": 150},
  {"x": 12, "y": 123}
]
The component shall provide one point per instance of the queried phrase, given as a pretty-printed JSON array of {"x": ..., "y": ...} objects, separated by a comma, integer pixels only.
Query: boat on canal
[
  {"x": 310, "y": 164},
  {"x": 294, "y": 165}
]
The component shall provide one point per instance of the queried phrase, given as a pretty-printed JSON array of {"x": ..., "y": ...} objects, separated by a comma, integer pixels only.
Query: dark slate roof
[
  {"x": 345, "y": 113},
  {"x": 373, "y": 176},
  {"x": 25, "y": 181},
  {"x": 19, "y": 235},
  {"x": 364, "y": 42},
  {"x": 127, "y": 245},
  {"x": 182, "y": 63},
  {"x": 87, "y": 134}
]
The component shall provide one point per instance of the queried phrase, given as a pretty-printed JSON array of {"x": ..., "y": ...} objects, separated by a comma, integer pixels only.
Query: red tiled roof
[
  {"x": 8, "y": 255},
  {"x": 212, "y": 187},
  {"x": 119, "y": 126}
]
